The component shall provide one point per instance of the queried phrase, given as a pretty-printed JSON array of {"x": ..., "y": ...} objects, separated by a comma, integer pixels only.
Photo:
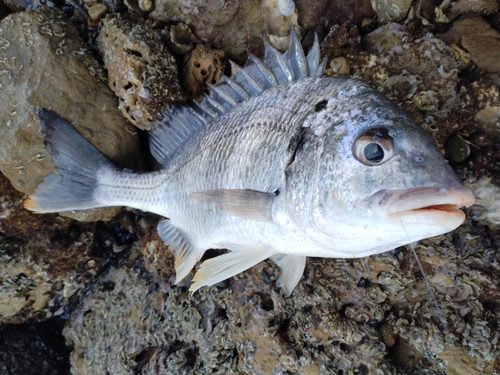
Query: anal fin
[
  {"x": 186, "y": 254},
  {"x": 292, "y": 267},
  {"x": 227, "y": 265}
]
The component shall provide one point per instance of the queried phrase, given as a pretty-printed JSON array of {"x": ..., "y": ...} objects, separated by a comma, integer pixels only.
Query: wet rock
[
  {"x": 388, "y": 11},
  {"x": 233, "y": 26},
  {"x": 425, "y": 67},
  {"x": 181, "y": 39},
  {"x": 68, "y": 80},
  {"x": 4, "y": 11},
  {"x": 482, "y": 42},
  {"x": 203, "y": 65},
  {"x": 279, "y": 15},
  {"x": 141, "y": 71},
  {"x": 487, "y": 206},
  {"x": 449, "y": 10},
  {"x": 487, "y": 95},
  {"x": 457, "y": 148},
  {"x": 97, "y": 11},
  {"x": 320, "y": 15},
  {"x": 44, "y": 260},
  {"x": 236, "y": 26},
  {"x": 33, "y": 349},
  {"x": 329, "y": 324}
]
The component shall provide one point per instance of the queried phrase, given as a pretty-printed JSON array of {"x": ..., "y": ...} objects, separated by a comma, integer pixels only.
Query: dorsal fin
[
  {"x": 175, "y": 128},
  {"x": 179, "y": 123}
]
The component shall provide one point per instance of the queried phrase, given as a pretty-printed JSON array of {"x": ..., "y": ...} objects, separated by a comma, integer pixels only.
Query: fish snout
[{"x": 426, "y": 205}]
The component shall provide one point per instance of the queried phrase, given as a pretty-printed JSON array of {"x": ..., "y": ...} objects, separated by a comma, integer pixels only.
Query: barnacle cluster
[
  {"x": 32, "y": 284},
  {"x": 141, "y": 71},
  {"x": 368, "y": 315}
]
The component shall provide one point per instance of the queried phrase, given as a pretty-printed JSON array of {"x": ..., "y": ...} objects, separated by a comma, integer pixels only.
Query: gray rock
[
  {"x": 236, "y": 26},
  {"x": 480, "y": 7},
  {"x": 393, "y": 10},
  {"x": 43, "y": 63},
  {"x": 480, "y": 40},
  {"x": 233, "y": 26}
]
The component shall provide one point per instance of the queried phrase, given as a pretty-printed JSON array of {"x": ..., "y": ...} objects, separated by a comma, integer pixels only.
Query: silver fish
[{"x": 277, "y": 162}]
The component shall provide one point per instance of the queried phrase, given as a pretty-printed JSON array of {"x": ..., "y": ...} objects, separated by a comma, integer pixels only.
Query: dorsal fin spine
[
  {"x": 228, "y": 100},
  {"x": 242, "y": 94},
  {"x": 203, "y": 109},
  {"x": 215, "y": 105},
  {"x": 249, "y": 84},
  {"x": 313, "y": 58},
  {"x": 169, "y": 133},
  {"x": 276, "y": 62},
  {"x": 321, "y": 68},
  {"x": 268, "y": 78},
  {"x": 295, "y": 58}
]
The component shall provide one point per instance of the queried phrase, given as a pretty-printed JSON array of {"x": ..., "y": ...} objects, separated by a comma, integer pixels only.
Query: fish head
[{"x": 367, "y": 178}]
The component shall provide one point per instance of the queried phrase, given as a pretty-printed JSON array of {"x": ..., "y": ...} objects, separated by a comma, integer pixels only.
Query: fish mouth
[{"x": 428, "y": 205}]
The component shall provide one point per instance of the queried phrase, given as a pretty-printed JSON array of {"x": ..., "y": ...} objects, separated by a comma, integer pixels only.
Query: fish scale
[{"x": 276, "y": 162}]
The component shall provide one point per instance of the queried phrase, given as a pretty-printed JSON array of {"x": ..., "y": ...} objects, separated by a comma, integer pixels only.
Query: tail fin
[{"x": 77, "y": 162}]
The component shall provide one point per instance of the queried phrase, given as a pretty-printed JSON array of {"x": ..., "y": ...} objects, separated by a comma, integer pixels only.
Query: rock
[
  {"x": 487, "y": 206},
  {"x": 44, "y": 260},
  {"x": 146, "y": 5},
  {"x": 279, "y": 15},
  {"x": 450, "y": 10},
  {"x": 236, "y": 26},
  {"x": 4, "y": 10},
  {"x": 487, "y": 95},
  {"x": 97, "y": 11},
  {"x": 480, "y": 40},
  {"x": 203, "y": 65},
  {"x": 330, "y": 324},
  {"x": 141, "y": 71},
  {"x": 233, "y": 26},
  {"x": 181, "y": 39},
  {"x": 388, "y": 11},
  {"x": 68, "y": 80},
  {"x": 457, "y": 148},
  {"x": 34, "y": 348},
  {"x": 425, "y": 65},
  {"x": 320, "y": 15}
]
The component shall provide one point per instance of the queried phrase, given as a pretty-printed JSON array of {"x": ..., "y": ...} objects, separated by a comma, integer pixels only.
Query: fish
[{"x": 277, "y": 162}]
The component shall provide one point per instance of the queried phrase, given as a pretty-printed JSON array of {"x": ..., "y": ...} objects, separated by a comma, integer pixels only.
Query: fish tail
[{"x": 74, "y": 185}]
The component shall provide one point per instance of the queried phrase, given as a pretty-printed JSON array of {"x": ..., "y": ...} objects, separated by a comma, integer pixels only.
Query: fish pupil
[{"x": 373, "y": 153}]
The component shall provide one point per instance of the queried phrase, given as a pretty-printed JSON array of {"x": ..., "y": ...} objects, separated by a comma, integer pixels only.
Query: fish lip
[{"x": 436, "y": 202}]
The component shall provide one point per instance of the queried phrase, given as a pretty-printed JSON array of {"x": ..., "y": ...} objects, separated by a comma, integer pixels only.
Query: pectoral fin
[
  {"x": 246, "y": 203},
  {"x": 292, "y": 268},
  {"x": 225, "y": 266}
]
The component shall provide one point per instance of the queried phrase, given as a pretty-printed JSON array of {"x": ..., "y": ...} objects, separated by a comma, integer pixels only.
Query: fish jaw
[{"x": 428, "y": 206}]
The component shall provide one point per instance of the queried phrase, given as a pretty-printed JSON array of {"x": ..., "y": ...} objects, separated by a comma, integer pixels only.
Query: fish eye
[{"x": 374, "y": 147}]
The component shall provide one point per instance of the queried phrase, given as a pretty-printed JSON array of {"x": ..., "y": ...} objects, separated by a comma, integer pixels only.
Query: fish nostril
[{"x": 418, "y": 159}]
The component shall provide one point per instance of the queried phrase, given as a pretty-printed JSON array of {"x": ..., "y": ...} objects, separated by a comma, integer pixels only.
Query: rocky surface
[
  {"x": 482, "y": 41},
  {"x": 356, "y": 316},
  {"x": 45, "y": 64},
  {"x": 111, "y": 284},
  {"x": 44, "y": 260},
  {"x": 141, "y": 70}
]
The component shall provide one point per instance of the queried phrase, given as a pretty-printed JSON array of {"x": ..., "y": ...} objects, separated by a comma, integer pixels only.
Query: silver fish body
[{"x": 310, "y": 166}]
